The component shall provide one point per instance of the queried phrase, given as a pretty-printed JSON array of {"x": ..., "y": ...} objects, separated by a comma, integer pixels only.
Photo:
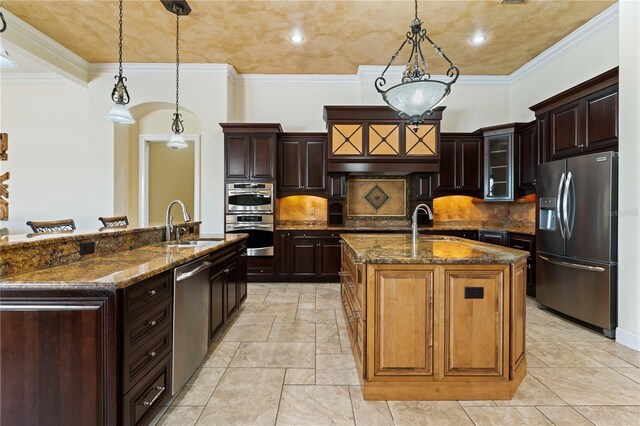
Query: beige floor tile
[
  {"x": 256, "y": 297},
  {"x": 562, "y": 333},
  {"x": 532, "y": 392},
  {"x": 245, "y": 396},
  {"x": 534, "y": 361},
  {"x": 296, "y": 332},
  {"x": 507, "y": 416},
  {"x": 270, "y": 308},
  {"x": 300, "y": 376},
  {"x": 589, "y": 386},
  {"x": 221, "y": 353},
  {"x": 199, "y": 387},
  {"x": 564, "y": 416},
  {"x": 611, "y": 416},
  {"x": 479, "y": 403},
  {"x": 316, "y": 316},
  {"x": 266, "y": 286},
  {"x": 315, "y": 405},
  {"x": 560, "y": 354},
  {"x": 633, "y": 373},
  {"x": 247, "y": 333},
  {"x": 428, "y": 413},
  {"x": 369, "y": 412},
  {"x": 328, "y": 302},
  {"x": 600, "y": 355},
  {"x": 331, "y": 376},
  {"x": 180, "y": 416},
  {"x": 327, "y": 333},
  {"x": 328, "y": 348},
  {"x": 307, "y": 301},
  {"x": 623, "y": 352},
  {"x": 285, "y": 318},
  {"x": 253, "y": 319},
  {"x": 302, "y": 288},
  {"x": 282, "y": 297},
  {"x": 275, "y": 354},
  {"x": 343, "y": 361}
]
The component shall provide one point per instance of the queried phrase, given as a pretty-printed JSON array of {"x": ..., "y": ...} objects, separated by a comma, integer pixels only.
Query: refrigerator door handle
[
  {"x": 558, "y": 203},
  {"x": 565, "y": 206},
  {"x": 572, "y": 265}
]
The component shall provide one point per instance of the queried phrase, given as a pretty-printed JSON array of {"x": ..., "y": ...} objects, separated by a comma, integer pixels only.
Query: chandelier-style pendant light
[
  {"x": 5, "y": 59},
  {"x": 120, "y": 95},
  {"x": 179, "y": 8},
  {"x": 418, "y": 94}
]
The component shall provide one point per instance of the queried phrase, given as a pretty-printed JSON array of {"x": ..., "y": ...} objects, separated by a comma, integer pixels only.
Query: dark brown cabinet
[
  {"x": 526, "y": 159},
  {"x": 421, "y": 187},
  {"x": 303, "y": 168},
  {"x": 460, "y": 165},
  {"x": 230, "y": 277},
  {"x": 527, "y": 243},
  {"x": 337, "y": 186},
  {"x": 250, "y": 151},
  {"x": 579, "y": 120},
  {"x": 216, "y": 304},
  {"x": 308, "y": 256},
  {"x": 494, "y": 237}
]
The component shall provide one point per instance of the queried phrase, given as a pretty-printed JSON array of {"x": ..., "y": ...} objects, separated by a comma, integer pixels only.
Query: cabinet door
[
  {"x": 566, "y": 130},
  {"x": 231, "y": 284},
  {"x": 601, "y": 111},
  {"x": 498, "y": 174},
  {"x": 303, "y": 257},
  {"x": 473, "y": 318},
  {"x": 216, "y": 303},
  {"x": 263, "y": 147},
  {"x": 469, "y": 167},
  {"x": 242, "y": 277},
  {"x": 237, "y": 153},
  {"x": 290, "y": 170},
  {"x": 403, "y": 324},
  {"x": 421, "y": 187},
  {"x": 526, "y": 159},
  {"x": 329, "y": 254},
  {"x": 346, "y": 140},
  {"x": 314, "y": 165},
  {"x": 282, "y": 255},
  {"x": 446, "y": 178},
  {"x": 337, "y": 187},
  {"x": 544, "y": 149},
  {"x": 517, "y": 318}
]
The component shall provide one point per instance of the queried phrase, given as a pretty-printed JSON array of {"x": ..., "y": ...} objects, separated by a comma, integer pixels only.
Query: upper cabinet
[
  {"x": 376, "y": 139},
  {"x": 303, "y": 170},
  {"x": 580, "y": 120},
  {"x": 526, "y": 159},
  {"x": 460, "y": 165},
  {"x": 250, "y": 151},
  {"x": 498, "y": 165}
]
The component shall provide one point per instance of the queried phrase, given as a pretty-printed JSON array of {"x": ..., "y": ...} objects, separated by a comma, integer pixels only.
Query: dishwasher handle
[{"x": 187, "y": 275}]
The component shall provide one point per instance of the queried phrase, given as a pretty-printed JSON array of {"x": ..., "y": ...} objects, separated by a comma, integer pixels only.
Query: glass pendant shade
[
  {"x": 120, "y": 114},
  {"x": 177, "y": 141},
  {"x": 5, "y": 60},
  {"x": 415, "y": 98}
]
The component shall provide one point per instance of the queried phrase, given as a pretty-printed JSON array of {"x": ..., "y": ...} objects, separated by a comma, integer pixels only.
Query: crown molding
[
  {"x": 44, "y": 50},
  {"x": 597, "y": 24},
  {"x": 96, "y": 70},
  {"x": 296, "y": 79},
  {"x": 31, "y": 78}
]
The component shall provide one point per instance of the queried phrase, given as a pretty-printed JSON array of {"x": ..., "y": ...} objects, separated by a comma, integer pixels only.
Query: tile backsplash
[{"x": 458, "y": 208}]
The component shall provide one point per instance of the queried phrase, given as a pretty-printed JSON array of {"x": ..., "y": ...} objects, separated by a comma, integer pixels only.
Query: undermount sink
[{"x": 187, "y": 244}]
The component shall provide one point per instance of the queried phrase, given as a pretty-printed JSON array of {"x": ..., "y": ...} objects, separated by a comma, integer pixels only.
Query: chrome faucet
[
  {"x": 414, "y": 219},
  {"x": 169, "y": 223}
]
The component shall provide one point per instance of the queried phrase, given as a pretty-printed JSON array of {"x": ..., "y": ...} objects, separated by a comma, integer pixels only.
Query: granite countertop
[
  {"x": 520, "y": 229},
  {"x": 118, "y": 270},
  {"x": 433, "y": 249}
]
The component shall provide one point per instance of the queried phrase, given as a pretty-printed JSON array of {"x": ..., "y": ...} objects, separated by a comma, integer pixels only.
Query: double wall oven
[{"x": 249, "y": 210}]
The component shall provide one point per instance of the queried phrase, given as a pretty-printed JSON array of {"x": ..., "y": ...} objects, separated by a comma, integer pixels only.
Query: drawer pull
[
  {"x": 528, "y": 266},
  {"x": 355, "y": 314},
  {"x": 152, "y": 292},
  {"x": 152, "y": 354},
  {"x": 343, "y": 274},
  {"x": 152, "y": 323},
  {"x": 518, "y": 247},
  {"x": 350, "y": 284},
  {"x": 226, "y": 271},
  {"x": 243, "y": 255},
  {"x": 155, "y": 398}
]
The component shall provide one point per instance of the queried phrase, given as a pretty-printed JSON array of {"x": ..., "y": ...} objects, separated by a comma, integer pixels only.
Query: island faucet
[
  {"x": 169, "y": 223},
  {"x": 414, "y": 219}
]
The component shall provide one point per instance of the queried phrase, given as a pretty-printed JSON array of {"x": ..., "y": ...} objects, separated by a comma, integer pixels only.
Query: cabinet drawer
[
  {"x": 139, "y": 297},
  {"x": 138, "y": 330},
  {"x": 143, "y": 401},
  {"x": 521, "y": 243},
  {"x": 138, "y": 364}
]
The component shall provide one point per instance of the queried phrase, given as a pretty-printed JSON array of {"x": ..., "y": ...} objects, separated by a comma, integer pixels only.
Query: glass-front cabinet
[{"x": 498, "y": 165}]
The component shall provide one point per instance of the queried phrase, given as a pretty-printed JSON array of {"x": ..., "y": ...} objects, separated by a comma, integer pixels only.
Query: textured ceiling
[{"x": 339, "y": 35}]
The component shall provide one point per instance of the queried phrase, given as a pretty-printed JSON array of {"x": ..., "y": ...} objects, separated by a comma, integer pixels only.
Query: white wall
[
  {"x": 50, "y": 154},
  {"x": 628, "y": 332}
]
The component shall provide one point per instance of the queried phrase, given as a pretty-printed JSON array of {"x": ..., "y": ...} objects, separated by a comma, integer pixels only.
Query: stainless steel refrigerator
[{"x": 577, "y": 238}]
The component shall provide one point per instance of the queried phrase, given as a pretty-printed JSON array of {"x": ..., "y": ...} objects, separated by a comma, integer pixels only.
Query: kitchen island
[{"x": 439, "y": 318}]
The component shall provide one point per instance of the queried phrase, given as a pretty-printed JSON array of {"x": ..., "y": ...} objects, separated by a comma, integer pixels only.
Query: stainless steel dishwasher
[{"x": 190, "y": 319}]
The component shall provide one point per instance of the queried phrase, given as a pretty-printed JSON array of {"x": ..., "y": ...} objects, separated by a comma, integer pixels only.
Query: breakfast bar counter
[{"x": 438, "y": 318}]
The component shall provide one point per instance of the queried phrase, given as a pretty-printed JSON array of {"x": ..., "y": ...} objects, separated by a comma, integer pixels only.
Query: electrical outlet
[
  {"x": 87, "y": 248},
  {"x": 312, "y": 211}
]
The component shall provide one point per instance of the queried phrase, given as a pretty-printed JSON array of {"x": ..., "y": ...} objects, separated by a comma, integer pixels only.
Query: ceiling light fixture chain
[
  {"x": 120, "y": 94},
  {"x": 4, "y": 23},
  {"x": 5, "y": 59},
  {"x": 177, "y": 127},
  {"x": 417, "y": 94}
]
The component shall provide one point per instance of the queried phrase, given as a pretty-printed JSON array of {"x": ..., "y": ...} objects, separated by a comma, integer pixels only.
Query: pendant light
[
  {"x": 418, "y": 94},
  {"x": 120, "y": 95},
  {"x": 177, "y": 141},
  {"x": 5, "y": 59}
]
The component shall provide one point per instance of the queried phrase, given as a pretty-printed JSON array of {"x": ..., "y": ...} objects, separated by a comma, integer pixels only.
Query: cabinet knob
[
  {"x": 152, "y": 354},
  {"x": 152, "y": 323},
  {"x": 152, "y": 292},
  {"x": 226, "y": 271},
  {"x": 528, "y": 266}
]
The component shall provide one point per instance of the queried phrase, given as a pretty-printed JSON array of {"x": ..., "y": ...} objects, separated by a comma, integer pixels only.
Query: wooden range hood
[{"x": 374, "y": 140}]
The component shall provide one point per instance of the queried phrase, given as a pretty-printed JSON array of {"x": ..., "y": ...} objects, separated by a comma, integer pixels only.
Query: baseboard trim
[{"x": 628, "y": 339}]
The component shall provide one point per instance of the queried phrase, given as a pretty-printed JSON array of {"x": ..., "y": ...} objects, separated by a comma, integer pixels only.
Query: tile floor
[{"x": 286, "y": 360}]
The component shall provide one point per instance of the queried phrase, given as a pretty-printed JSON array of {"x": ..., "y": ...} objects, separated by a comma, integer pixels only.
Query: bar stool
[
  {"x": 114, "y": 222},
  {"x": 65, "y": 225}
]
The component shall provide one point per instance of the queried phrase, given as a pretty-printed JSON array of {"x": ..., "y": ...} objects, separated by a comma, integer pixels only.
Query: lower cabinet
[
  {"x": 493, "y": 237},
  {"x": 307, "y": 256},
  {"x": 527, "y": 242}
]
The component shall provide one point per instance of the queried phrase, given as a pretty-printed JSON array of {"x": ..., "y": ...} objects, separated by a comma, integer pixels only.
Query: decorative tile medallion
[{"x": 376, "y": 197}]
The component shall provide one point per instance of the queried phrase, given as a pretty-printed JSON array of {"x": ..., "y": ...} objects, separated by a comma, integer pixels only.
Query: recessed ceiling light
[
  {"x": 296, "y": 38},
  {"x": 478, "y": 39}
]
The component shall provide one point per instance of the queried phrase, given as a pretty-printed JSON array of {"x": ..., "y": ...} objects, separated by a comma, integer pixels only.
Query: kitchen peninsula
[{"x": 437, "y": 318}]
